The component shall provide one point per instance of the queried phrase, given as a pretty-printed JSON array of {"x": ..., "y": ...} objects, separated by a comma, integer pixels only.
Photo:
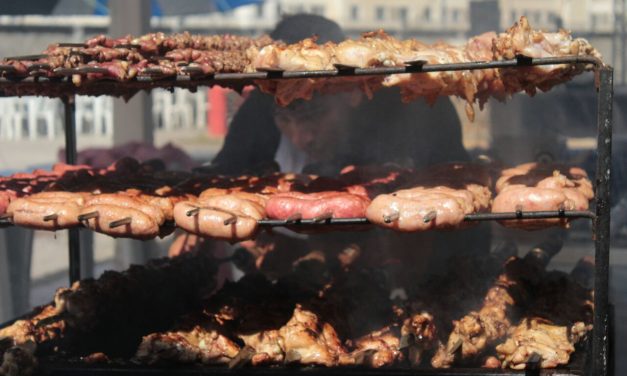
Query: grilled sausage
[
  {"x": 226, "y": 217},
  {"x": 140, "y": 224},
  {"x": 312, "y": 205},
  {"x": 32, "y": 211}
]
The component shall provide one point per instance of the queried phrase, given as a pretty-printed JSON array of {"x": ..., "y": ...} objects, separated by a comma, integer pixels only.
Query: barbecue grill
[{"x": 593, "y": 358}]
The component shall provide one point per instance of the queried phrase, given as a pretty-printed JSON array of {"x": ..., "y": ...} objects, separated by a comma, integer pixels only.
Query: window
[
  {"x": 536, "y": 16},
  {"x": 402, "y": 14},
  {"x": 354, "y": 12},
  {"x": 260, "y": 10},
  {"x": 455, "y": 15},
  {"x": 380, "y": 13},
  {"x": 279, "y": 10},
  {"x": 298, "y": 9},
  {"x": 444, "y": 14},
  {"x": 317, "y": 9},
  {"x": 514, "y": 16},
  {"x": 426, "y": 14},
  {"x": 594, "y": 21}
]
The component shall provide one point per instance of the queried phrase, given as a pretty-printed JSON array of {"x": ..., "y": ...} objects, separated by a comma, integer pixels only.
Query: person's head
[
  {"x": 318, "y": 127},
  {"x": 292, "y": 29}
]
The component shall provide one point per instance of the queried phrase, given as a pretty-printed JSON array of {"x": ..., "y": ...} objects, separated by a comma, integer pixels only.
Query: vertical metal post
[
  {"x": 69, "y": 106},
  {"x": 600, "y": 338}
]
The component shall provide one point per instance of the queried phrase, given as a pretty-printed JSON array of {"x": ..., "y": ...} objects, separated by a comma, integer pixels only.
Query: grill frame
[{"x": 599, "y": 362}]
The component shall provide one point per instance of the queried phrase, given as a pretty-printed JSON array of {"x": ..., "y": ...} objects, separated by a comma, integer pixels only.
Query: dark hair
[{"x": 292, "y": 29}]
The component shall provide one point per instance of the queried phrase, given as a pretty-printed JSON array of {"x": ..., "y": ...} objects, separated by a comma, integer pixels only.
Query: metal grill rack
[{"x": 42, "y": 81}]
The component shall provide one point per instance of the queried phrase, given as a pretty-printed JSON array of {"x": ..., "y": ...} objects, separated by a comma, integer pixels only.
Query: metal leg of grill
[
  {"x": 600, "y": 340},
  {"x": 70, "y": 158}
]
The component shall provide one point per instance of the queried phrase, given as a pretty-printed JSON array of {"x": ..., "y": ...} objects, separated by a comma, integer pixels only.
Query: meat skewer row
[
  {"x": 303, "y": 339},
  {"x": 211, "y": 54},
  {"x": 377, "y": 49}
]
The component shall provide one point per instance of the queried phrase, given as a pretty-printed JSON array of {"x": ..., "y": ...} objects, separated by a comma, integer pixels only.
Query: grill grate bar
[{"x": 478, "y": 217}]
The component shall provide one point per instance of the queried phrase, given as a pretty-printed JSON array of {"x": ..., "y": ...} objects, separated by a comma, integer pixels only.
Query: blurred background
[{"x": 559, "y": 125}]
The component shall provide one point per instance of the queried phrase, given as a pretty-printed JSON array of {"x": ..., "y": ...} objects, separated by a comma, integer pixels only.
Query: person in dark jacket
[
  {"x": 324, "y": 134},
  {"x": 377, "y": 130}
]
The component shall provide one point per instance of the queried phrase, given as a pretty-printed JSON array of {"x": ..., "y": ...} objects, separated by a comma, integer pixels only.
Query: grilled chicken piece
[
  {"x": 20, "y": 340},
  {"x": 267, "y": 345},
  {"x": 309, "y": 340},
  {"x": 420, "y": 333},
  {"x": 378, "y": 349},
  {"x": 205, "y": 343},
  {"x": 550, "y": 342}
]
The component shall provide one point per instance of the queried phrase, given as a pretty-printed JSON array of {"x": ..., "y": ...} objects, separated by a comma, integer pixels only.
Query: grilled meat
[
  {"x": 543, "y": 187},
  {"x": 376, "y": 49},
  {"x": 551, "y": 343}
]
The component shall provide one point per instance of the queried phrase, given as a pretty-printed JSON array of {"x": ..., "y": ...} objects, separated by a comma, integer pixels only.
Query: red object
[{"x": 216, "y": 117}]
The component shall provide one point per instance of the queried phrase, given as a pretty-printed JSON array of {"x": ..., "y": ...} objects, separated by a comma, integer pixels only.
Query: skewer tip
[
  {"x": 293, "y": 218},
  {"x": 87, "y": 216},
  {"x": 389, "y": 218},
  {"x": 51, "y": 217},
  {"x": 230, "y": 220},
  {"x": 193, "y": 212},
  {"x": 121, "y": 222},
  {"x": 430, "y": 216},
  {"x": 456, "y": 346},
  {"x": 322, "y": 217}
]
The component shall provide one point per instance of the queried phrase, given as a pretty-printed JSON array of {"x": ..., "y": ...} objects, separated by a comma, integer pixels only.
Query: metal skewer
[
  {"x": 121, "y": 222},
  {"x": 243, "y": 357},
  {"x": 88, "y": 216},
  {"x": 231, "y": 220},
  {"x": 27, "y": 57},
  {"x": 533, "y": 362},
  {"x": 322, "y": 217},
  {"x": 430, "y": 216},
  {"x": 51, "y": 217},
  {"x": 193, "y": 212},
  {"x": 292, "y": 356},
  {"x": 389, "y": 218},
  {"x": 293, "y": 218},
  {"x": 365, "y": 357},
  {"x": 76, "y": 45},
  {"x": 453, "y": 349}
]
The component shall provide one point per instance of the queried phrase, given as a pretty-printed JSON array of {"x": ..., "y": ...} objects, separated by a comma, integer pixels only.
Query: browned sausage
[
  {"x": 31, "y": 212},
  {"x": 140, "y": 226},
  {"x": 239, "y": 212}
]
